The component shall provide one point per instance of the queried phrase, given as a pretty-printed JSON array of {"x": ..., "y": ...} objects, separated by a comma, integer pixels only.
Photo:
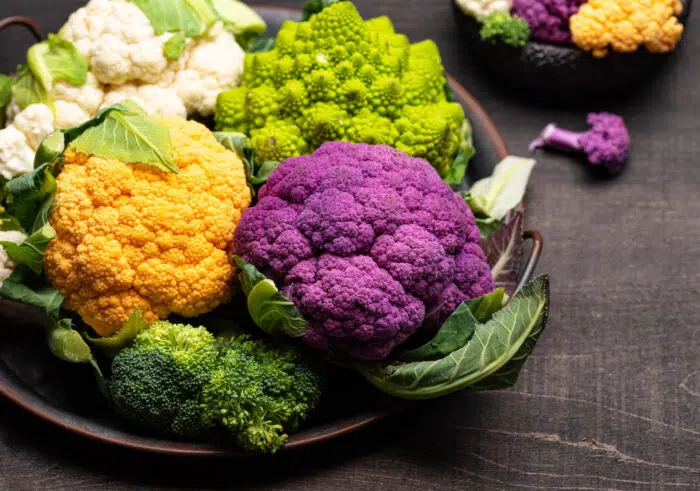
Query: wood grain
[{"x": 609, "y": 400}]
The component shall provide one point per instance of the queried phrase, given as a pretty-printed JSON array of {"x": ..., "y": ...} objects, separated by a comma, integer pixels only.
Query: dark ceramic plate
[
  {"x": 563, "y": 72},
  {"x": 66, "y": 395}
]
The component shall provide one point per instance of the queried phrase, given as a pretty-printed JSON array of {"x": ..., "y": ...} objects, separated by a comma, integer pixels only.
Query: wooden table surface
[{"x": 610, "y": 397}]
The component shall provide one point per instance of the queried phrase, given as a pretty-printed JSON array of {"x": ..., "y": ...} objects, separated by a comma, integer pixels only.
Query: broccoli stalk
[
  {"x": 606, "y": 143},
  {"x": 505, "y": 28}
]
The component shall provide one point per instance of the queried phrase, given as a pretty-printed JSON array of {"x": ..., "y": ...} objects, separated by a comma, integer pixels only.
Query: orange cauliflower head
[
  {"x": 130, "y": 236},
  {"x": 625, "y": 25}
]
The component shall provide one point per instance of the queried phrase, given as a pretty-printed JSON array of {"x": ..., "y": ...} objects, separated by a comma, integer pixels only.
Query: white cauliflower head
[
  {"x": 118, "y": 40},
  {"x": 212, "y": 64},
  {"x": 480, "y": 9},
  {"x": 157, "y": 101},
  {"x": 7, "y": 265},
  {"x": 88, "y": 96},
  {"x": 35, "y": 122}
]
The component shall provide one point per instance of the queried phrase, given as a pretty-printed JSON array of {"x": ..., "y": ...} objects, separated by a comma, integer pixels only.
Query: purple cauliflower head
[
  {"x": 548, "y": 19},
  {"x": 365, "y": 241},
  {"x": 606, "y": 143}
]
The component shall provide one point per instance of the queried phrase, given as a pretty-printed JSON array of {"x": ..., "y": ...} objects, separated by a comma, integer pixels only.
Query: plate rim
[{"x": 16, "y": 391}]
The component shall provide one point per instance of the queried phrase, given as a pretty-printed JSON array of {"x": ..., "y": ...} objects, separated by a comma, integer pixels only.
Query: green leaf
[
  {"x": 127, "y": 134},
  {"x": 270, "y": 310},
  {"x": 504, "y": 251},
  {"x": 28, "y": 194},
  {"x": 31, "y": 251},
  {"x": 464, "y": 155},
  {"x": 312, "y": 7},
  {"x": 27, "y": 89},
  {"x": 67, "y": 343},
  {"x": 25, "y": 287},
  {"x": 57, "y": 59},
  {"x": 488, "y": 226},
  {"x": 48, "y": 61},
  {"x": 50, "y": 150},
  {"x": 6, "y": 83},
  {"x": 261, "y": 45},
  {"x": 510, "y": 334},
  {"x": 113, "y": 344},
  {"x": 174, "y": 46},
  {"x": 457, "y": 328},
  {"x": 256, "y": 175},
  {"x": 172, "y": 16},
  {"x": 493, "y": 197},
  {"x": 9, "y": 223},
  {"x": 240, "y": 20}
]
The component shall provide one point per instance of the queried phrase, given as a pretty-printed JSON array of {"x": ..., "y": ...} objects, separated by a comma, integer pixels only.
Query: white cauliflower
[
  {"x": 7, "y": 265},
  {"x": 35, "y": 122},
  {"x": 118, "y": 40},
  {"x": 214, "y": 63},
  {"x": 126, "y": 61},
  {"x": 19, "y": 141},
  {"x": 480, "y": 9},
  {"x": 158, "y": 101}
]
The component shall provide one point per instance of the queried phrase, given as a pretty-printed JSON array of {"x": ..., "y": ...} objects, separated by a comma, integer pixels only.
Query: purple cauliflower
[
  {"x": 548, "y": 19},
  {"x": 606, "y": 143},
  {"x": 365, "y": 241}
]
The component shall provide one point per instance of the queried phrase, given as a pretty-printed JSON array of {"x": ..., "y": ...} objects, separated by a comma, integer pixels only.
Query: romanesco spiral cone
[{"x": 337, "y": 77}]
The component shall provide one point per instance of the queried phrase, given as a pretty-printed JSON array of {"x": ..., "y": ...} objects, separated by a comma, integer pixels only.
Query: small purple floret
[
  {"x": 606, "y": 143},
  {"x": 548, "y": 19},
  {"x": 364, "y": 240}
]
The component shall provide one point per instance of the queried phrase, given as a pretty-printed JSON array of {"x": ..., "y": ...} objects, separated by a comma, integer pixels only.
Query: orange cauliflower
[
  {"x": 625, "y": 25},
  {"x": 131, "y": 236}
]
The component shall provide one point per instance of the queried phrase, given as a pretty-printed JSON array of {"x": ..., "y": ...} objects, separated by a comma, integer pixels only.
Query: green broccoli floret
[
  {"x": 157, "y": 382},
  {"x": 505, "y": 28},
  {"x": 327, "y": 71},
  {"x": 260, "y": 392}
]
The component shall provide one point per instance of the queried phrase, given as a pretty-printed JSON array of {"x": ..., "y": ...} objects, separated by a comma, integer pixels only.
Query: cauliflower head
[
  {"x": 336, "y": 77},
  {"x": 20, "y": 140},
  {"x": 367, "y": 242},
  {"x": 625, "y": 25},
  {"x": 130, "y": 236},
  {"x": 480, "y": 9}
]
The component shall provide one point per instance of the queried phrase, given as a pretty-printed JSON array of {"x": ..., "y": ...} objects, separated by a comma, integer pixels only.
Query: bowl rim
[{"x": 12, "y": 388}]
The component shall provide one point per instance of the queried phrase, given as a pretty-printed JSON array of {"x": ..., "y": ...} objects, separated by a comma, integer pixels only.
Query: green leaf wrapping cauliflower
[{"x": 336, "y": 77}]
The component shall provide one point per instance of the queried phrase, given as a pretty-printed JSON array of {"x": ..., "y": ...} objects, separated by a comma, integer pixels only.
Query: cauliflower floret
[
  {"x": 16, "y": 156},
  {"x": 88, "y": 96},
  {"x": 158, "y": 101},
  {"x": 118, "y": 40},
  {"x": 35, "y": 122},
  {"x": 212, "y": 64},
  {"x": 480, "y": 9},
  {"x": 7, "y": 265},
  {"x": 69, "y": 114}
]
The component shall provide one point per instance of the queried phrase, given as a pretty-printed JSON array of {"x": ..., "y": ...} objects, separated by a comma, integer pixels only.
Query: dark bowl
[
  {"x": 66, "y": 395},
  {"x": 565, "y": 73}
]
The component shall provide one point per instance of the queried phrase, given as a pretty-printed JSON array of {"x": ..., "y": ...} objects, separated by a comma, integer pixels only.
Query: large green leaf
[
  {"x": 464, "y": 155},
  {"x": 6, "y": 83},
  {"x": 24, "y": 287},
  {"x": 457, "y": 328},
  {"x": 269, "y": 309},
  {"x": 124, "y": 132},
  {"x": 57, "y": 59},
  {"x": 239, "y": 19},
  {"x": 28, "y": 194},
  {"x": 172, "y": 16},
  {"x": 47, "y": 62},
  {"x": 497, "y": 348},
  {"x": 494, "y": 196},
  {"x": 31, "y": 251},
  {"x": 27, "y": 89}
]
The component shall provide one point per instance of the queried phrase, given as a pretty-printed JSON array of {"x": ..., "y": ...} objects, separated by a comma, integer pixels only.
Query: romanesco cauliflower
[{"x": 337, "y": 77}]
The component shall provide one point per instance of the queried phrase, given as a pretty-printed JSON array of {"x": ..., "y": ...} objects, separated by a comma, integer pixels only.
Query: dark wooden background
[{"x": 609, "y": 399}]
